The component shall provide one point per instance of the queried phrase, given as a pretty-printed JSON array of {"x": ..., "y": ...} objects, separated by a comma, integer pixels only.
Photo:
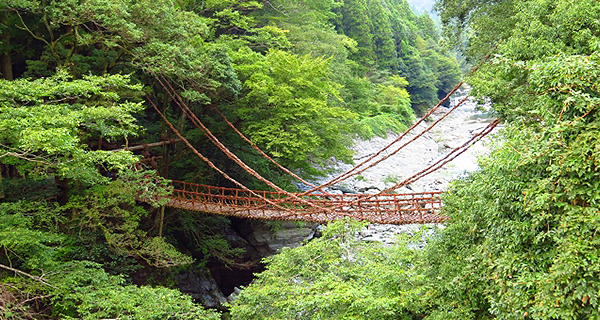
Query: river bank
[
  {"x": 451, "y": 132},
  {"x": 448, "y": 134}
]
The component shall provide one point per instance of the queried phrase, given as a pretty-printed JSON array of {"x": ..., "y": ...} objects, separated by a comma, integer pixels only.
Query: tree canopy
[
  {"x": 523, "y": 237},
  {"x": 81, "y": 218}
]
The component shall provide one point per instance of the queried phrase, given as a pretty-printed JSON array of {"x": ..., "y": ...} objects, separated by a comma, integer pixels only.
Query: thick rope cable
[
  {"x": 179, "y": 101},
  {"x": 385, "y": 157},
  {"x": 254, "y": 146},
  {"x": 352, "y": 172},
  {"x": 410, "y": 141},
  {"x": 438, "y": 164},
  {"x": 284, "y": 169},
  {"x": 447, "y": 158},
  {"x": 212, "y": 165}
]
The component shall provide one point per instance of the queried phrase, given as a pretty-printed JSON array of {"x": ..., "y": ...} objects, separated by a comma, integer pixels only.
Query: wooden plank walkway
[{"x": 421, "y": 207}]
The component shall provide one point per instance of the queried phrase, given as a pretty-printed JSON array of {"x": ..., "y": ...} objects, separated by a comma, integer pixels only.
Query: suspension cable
[
  {"x": 447, "y": 158},
  {"x": 286, "y": 170},
  {"x": 349, "y": 173},
  {"x": 179, "y": 101},
  {"x": 438, "y": 164},
  {"x": 254, "y": 146},
  {"x": 212, "y": 165}
]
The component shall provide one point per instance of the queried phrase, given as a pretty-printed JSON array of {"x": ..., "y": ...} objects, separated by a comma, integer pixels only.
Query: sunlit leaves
[
  {"x": 288, "y": 108},
  {"x": 46, "y": 122},
  {"x": 335, "y": 276}
]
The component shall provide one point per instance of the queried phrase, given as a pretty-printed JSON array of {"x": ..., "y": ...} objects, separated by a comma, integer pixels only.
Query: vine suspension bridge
[{"x": 314, "y": 205}]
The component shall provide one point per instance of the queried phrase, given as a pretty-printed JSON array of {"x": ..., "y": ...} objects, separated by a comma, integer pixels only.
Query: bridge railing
[
  {"x": 225, "y": 196},
  {"x": 417, "y": 207}
]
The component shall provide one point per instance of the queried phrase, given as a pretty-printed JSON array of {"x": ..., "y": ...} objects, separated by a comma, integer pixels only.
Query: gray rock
[
  {"x": 371, "y": 191},
  {"x": 380, "y": 185},
  {"x": 343, "y": 189},
  {"x": 415, "y": 187},
  {"x": 268, "y": 239},
  {"x": 368, "y": 189},
  {"x": 373, "y": 239},
  {"x": 201, "y": 287},
  {"x": 234, "y": 295},
  {"x": 363, "y": 185},
  {"x": 403, "y": 190}
]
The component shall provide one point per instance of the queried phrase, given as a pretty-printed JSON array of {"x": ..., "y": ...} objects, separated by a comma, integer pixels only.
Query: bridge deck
[{"x": 421, "y": 207}]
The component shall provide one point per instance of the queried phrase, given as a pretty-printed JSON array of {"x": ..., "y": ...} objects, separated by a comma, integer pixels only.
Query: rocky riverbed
[{"x": 448, "y": 134}]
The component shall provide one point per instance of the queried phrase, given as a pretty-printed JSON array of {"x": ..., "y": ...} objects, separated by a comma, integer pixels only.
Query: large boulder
[{"x": 269, "y": 237}]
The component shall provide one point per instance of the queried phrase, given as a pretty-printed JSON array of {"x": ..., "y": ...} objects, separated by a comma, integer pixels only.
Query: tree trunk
[
  {"x": 5, "y": 58},
  {"x": 6, "y": 66},
  {"x": 1, "y": 186},
  {"x": 63, "y": 187}
]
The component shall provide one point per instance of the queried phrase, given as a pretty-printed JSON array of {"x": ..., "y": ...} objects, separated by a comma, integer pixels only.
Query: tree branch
[
  {"x": 24, "y": 157},
  {"x": 35, "y": 298},
  {"x": 39, "y": 279},
  {"x": 25, "y": 28}
]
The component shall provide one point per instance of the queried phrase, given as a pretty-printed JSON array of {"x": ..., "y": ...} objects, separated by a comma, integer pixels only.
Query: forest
[{"x": 84, "y": 233}]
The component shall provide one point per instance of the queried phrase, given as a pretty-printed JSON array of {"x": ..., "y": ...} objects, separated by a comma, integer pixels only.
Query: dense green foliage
[
  {"x": 81, "y": 218},
  {"x": 523, "y": 238},
  {"x": 527, "y": 223},
  {"x": 44, "y": 124},
  {"x": 42, "y": 272},
  {"x": 335, "y": 276},
  {"x": 288, "y": 106}
]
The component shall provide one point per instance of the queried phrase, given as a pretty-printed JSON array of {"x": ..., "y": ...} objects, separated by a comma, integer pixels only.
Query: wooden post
[
  {"x": 148, "y": 145},
  {"x": 167, "y": 149},
  {"x": 398, "y": 208}
]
